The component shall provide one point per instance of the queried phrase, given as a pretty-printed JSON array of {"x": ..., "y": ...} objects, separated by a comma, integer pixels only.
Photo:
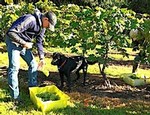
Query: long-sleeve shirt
[{"x": 27, "y": 28}]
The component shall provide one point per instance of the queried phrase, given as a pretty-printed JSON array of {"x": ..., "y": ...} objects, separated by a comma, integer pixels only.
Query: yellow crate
[
  {"x": 134, "y": 82},
  {"x": 48, "y": 105}
]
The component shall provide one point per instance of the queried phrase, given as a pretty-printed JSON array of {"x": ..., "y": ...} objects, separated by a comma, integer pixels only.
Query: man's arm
[
  {"x": 18, "y": 28},
  {"x": 39, "y": 43}
]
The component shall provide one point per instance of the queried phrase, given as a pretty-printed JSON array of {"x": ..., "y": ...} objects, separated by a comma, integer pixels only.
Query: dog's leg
[
  {"x": 68, "y": 81},
  {"x": 85, "y": 74},
  {"x": 78, "y": 75},
  {"x": 62, "y": 80}
]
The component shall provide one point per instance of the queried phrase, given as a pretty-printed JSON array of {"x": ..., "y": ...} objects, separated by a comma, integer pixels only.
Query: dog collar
[{"x": 62, "y": 64}]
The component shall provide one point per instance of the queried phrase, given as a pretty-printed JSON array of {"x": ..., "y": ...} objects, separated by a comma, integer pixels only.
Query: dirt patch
[{"x": 95, "y": 92}]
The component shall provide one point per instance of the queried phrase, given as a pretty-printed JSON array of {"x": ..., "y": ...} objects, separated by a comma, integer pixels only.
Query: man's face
[{"x": 45, "y": 22}]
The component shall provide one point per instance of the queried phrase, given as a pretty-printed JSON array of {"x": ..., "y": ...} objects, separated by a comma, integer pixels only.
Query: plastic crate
[
  {"x": 136, "y": 81},
  {"x": 46, "y": 106}
]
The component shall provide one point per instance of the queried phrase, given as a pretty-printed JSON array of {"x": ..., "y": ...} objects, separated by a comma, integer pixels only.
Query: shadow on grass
[
  {"x": 5, "y": 98},
  {"x": 92, "y": 110},
  {"x": 81, "y": 110},
  {"x": 94, "y": 85}
]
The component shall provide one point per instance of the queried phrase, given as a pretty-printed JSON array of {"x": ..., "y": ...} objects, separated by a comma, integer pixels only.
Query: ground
[{"x": 95, "y": 92}]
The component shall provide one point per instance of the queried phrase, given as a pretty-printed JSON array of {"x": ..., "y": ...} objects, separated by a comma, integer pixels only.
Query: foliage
[
  {"x": 9, "y": 1},
  {"x": 92, "y": 32},
  {"x": 140, "y": 6},
  {"x": 93, "y": 3},
  {"x": 82, "y": 29},
  {"x": 111, "y": 3},
  {"x": 77, "y": 2},
  {"x": 10, "y": 13},
  {"x": 145, "y": 46},
  {"x": 48, "y": 96}
]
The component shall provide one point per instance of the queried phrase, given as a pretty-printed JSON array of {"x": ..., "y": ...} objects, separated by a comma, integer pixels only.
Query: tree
[{"x": 140, "y": 6}]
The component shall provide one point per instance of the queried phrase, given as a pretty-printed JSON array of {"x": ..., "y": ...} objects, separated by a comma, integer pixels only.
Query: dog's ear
[
  {"x": 57, "y": 55},
  {"x": 54, "y": 54}
]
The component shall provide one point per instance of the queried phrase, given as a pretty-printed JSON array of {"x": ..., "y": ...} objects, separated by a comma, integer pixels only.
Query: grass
[{"x": 130, "y": 107}]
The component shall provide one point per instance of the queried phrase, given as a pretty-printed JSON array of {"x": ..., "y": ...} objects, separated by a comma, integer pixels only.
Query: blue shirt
[{"x": 29, "y": 27}]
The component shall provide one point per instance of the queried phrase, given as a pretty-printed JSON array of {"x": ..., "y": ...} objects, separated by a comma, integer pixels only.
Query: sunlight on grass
[
  {"x": 116, "y": 71},
  {"x": 93, "y": 69},
  {"x": 3, "y": 59},
  {"x": 116, "y": 56},
  {"x": 58, "y": 49},
  {"x": 120, "y": 57},
  {"x": 113, "y": 70}
]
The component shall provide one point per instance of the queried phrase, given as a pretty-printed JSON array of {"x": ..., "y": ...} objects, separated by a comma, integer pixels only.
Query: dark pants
[{"x": 137, "y": 60}]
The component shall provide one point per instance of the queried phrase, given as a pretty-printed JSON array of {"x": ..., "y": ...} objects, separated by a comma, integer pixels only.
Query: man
[
  {"x": 140, "y": 41},
  {"x": 19, "y": 43}
]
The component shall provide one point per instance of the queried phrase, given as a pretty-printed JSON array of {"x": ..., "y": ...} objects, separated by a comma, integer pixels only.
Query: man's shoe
[{"x": 18, "y": 102}]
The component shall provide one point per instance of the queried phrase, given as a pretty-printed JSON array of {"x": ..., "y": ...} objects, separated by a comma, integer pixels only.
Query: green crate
[
  {"x": 46, "y": 106},
  {"x": 134, "y": 81}
]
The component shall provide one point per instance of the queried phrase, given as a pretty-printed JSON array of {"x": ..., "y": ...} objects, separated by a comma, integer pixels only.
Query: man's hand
[
  {"x": 41, "y": 64},
  {"x": 28, "y": 45}
]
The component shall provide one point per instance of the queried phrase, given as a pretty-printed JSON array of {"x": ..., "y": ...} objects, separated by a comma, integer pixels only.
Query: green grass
[
  {"x": 129, "y": 108},
  {"x": 78, "y": 109}
]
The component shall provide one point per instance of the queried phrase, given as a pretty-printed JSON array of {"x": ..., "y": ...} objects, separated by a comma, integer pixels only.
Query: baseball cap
[{"x": 52, "y": 19}]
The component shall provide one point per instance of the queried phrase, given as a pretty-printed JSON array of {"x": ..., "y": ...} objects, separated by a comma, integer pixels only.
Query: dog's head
[{"x": 56, "y": 57}]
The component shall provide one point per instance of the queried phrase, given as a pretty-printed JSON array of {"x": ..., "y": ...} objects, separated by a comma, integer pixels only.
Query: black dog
[{"x": 66, "y": 65}]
